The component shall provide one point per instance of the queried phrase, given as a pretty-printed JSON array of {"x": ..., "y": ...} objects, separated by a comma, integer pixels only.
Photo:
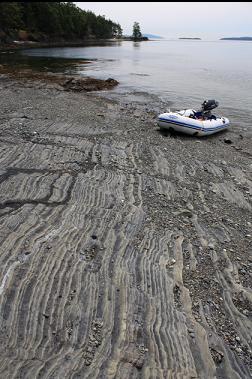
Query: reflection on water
[
  {"x": 137, "y": 44},
  {"x": 17, "y": 60}
]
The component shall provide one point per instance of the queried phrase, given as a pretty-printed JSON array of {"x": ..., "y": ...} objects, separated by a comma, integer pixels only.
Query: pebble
[{"x": 238, "y": 350}]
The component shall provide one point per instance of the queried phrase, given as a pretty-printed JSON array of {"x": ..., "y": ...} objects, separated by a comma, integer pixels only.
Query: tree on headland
[
  {"x": 136, "y": 31},
  {"x": 117, "y": 31}
]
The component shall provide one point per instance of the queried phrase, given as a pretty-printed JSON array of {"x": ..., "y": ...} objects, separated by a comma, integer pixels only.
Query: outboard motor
[{"x": 207, "y": 106}]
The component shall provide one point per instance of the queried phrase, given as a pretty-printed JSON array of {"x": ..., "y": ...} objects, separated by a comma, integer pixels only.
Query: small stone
[
  {"x": 237, "y": 339},
  {"x": 228, "y": 141}
]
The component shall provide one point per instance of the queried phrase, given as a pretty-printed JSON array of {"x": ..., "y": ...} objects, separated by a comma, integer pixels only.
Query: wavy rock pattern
[{"x": 124, "y": 253}]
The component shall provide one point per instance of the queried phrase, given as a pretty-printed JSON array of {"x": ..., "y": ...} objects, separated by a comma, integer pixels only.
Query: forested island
[
  {"x": 237, "y": 38},
  {"x": 51, "y": 22},
  {"x": 189, "y": 38}
]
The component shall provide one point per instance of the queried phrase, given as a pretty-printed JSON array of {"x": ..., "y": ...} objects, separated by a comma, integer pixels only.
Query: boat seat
[{"x": 198, "y": 114}]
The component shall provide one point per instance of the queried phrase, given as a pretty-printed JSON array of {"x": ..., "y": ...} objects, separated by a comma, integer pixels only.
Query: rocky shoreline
[
  {"x": 125, "y": 251},
  {"x": 19, "y": 45},
  {"x": 59, "y": 82}
]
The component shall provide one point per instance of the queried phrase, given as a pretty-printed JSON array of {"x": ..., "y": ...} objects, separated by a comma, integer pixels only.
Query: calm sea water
[{"x": 184, "y": 72}]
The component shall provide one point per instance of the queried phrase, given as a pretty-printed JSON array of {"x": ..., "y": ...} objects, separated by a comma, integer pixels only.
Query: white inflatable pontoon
[{"x": 189, "y": 121}]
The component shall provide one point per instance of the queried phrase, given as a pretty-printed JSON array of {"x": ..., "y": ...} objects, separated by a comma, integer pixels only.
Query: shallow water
[{"x": 184, "y": 72}]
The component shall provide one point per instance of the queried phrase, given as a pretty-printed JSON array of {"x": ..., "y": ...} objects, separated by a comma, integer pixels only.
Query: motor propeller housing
[{"x": 208, "y": 105}]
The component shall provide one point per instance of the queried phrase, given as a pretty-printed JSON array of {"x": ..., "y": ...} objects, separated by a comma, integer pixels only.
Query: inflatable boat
[{"x": 198, "y": 123}]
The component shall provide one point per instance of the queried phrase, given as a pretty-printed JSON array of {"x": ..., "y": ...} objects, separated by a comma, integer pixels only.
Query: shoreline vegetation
[
  {"x": 38, "y": 24},
  {"x": 52, "y": 22}
]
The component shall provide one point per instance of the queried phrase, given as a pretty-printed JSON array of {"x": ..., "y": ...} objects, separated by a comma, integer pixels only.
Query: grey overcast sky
[{"x": 207, "y": 20}]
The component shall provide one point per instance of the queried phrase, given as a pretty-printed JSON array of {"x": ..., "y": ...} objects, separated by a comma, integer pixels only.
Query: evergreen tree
[
  {"x": 10, "y": 16},
  {"x": 55, "y": 20},
  {"x": 136, "y": 31}
]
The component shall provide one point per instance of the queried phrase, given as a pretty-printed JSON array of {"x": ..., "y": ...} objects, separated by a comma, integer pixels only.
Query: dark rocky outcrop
[
  {"x": 89, "y": 84},
  {"x": 76, "y": 84}
]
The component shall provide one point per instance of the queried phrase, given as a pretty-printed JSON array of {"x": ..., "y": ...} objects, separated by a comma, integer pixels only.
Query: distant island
[
  {"x": 152, "y": 36},
  {"x": 189, "y": 38},
  {"x": 237, "y": 38}
]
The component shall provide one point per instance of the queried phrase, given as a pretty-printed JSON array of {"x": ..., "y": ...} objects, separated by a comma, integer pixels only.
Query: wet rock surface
[
  {"x": 57, "y": 81},
  {"x": 126, "y": 252}
]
